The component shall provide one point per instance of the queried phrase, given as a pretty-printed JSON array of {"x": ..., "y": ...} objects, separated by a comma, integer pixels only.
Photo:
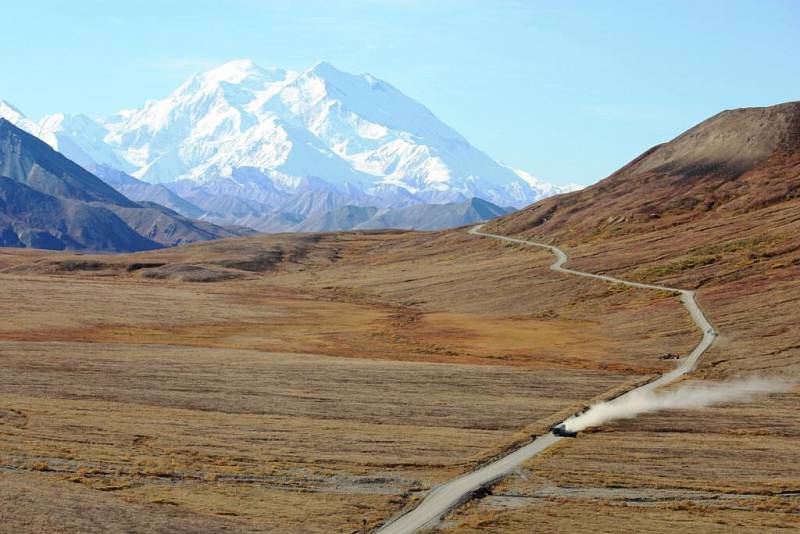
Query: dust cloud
[{"x": 693, "y": 396}]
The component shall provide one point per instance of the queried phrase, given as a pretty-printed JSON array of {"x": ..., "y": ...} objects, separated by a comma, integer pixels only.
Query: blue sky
[{"x": 569, "y": 91}]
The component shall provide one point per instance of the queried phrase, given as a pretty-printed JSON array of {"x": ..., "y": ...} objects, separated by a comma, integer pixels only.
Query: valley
[
  {"x": 326, "y": 382},
  {"x": 296, "y": 300}
]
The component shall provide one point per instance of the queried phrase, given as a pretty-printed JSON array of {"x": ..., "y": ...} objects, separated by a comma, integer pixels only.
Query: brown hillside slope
[
  {"x": 717, "y": 208},
  {"x": 735, "y": 163}
]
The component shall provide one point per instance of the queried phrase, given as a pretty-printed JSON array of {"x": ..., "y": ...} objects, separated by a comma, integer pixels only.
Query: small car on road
[{"x": 561, "y": 430}]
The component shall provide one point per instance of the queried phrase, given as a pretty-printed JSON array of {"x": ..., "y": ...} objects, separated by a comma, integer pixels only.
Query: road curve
[{"x": 450, "y": 495}]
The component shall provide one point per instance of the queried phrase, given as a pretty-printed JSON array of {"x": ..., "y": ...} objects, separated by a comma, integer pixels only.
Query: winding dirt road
[{"x": 450, "y": 495}]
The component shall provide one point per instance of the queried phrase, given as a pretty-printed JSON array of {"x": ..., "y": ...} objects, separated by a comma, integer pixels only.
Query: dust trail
[{"x": 688, "y": 397}]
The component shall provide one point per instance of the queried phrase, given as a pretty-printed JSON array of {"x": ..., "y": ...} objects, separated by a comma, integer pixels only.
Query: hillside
[
  {"x": 413, "y": 217},
  {"x": 734, "y": 163},
  {"x": 29, "y": 218},
  {"x": 717, "y": 208},
  {"x": 48, "y": 201},
  {"x": 31, "y": 162},
  {"x": 140, "y": 191}
]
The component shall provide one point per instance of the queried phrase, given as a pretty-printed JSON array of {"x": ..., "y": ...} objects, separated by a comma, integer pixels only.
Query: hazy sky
[{"x": 569, "y": 91}]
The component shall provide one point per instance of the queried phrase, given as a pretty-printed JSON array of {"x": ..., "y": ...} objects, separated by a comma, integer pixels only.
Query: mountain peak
[
  {"x": 243, "y": 63},
  {"x": 240, "y": 71},
  {"x": 236, "y": 67},
  {"x": 324, "y": 69},
  {"x": 322, "y": 121}
]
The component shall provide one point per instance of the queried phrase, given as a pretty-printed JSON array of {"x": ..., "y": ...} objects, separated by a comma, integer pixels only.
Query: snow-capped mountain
[
  {"x": 78, "y": 137},
  {"x": 358, "y": 135}
]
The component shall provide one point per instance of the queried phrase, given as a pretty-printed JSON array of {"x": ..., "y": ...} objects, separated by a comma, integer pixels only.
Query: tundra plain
[{"x": 301, "y": 383}]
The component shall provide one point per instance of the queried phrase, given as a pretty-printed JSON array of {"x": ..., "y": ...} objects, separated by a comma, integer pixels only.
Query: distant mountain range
[
  {"x": 278, "y": 150},
  {"x": 48, "y": 201}
]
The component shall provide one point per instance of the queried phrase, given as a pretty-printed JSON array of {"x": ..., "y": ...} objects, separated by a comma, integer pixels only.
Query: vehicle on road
[{"x": 561, "y": 430}]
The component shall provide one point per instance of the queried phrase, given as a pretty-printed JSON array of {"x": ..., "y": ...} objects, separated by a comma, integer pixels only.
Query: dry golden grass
[
  {"x": 327, "y": 385},
  {"x": 320, "y": 389},
  {"x": 260, "y": 317},
  {"x": 600, "y": 515},
  {"x": 318, "y": 383},
  {"x": 137, "y": 419},
  {"x": 716, "y": 470}
]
